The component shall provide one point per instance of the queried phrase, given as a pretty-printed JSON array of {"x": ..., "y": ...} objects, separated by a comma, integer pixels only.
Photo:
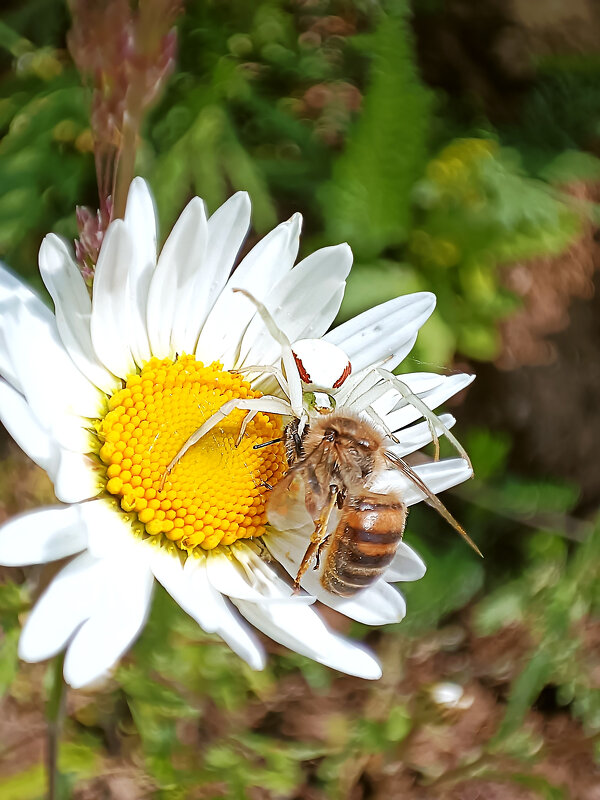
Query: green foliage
[
  {"x": 478, "y": 210},
  {"x": 76, "y": 763},
  {"x": 13, "y": 600},
  {"x": 551, "y": 599},
  {"x": 454, "y": 576},
  {"x": 369, "y": 201}
]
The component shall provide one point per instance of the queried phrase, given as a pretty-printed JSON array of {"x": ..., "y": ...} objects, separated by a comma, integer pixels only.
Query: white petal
[
  {"x": 195, "y": 597},
  {"x": 43, "y": 535},
  {"x": 300, "y": 301},
  {"x": 13, "y": 294},
  {"x": 110, "y": 322},
  {"x": 240, "y": 639},
  {"x": 12, "y": 288},
  {"x": 191, "y": 589},
  {"x": 50, "y": 404},
  {"x": 229, "y": 626},
  {"x": 265, "y": 264},
  {"x": 406, "y": 566},
  {"x": 73, "y": 308},
  {"x": 437, "y": 475},
  {"x": 420, "y": 382},
  {"x": 383, "y": 333},
  {"x": 67, "y": 602},
  {"x": 448, "y": 386},
  {"x": 379, "y": 604},
  {"x": 228, "y": 577},
  {"x": 140, "y": 218},
  {"x": 301, "y": 629},
  {"x": 58, "y": 393},
  {"x": 315, "y": 328},
  {"x": 173, "y": 280},
  {"x": 75, "y": 478},
  {"x": 244, "y": 575},
  {"x": 227, "y": 229},
  {"x": 110, "y": 534},
  {"x": 417, "y": 436},
  {"x": 21, "y": 423},
  {"x": 114, "y": 624}
]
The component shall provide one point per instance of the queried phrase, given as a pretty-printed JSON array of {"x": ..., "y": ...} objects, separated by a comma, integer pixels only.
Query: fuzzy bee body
[
  {"x": 331, "y": 467},
  {"x": 364, "y": 542},
  {"x": 328, "y": 492}
]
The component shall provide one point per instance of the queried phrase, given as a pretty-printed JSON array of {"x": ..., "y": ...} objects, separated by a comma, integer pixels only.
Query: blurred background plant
[{"x": 453, "y": 145}]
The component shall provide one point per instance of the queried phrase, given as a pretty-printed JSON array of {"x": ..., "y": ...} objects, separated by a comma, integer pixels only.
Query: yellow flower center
[{"x": 217, "y": 492}]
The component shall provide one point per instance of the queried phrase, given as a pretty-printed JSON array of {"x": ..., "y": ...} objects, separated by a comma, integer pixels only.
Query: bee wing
[
  {"x": 286, "y": 506},
  {"x": 406, "y": 470},
  {"x": 298, "y": 499}
]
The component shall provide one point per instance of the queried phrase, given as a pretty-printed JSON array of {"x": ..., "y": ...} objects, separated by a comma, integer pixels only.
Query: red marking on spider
[
  {"x": 343, "y": 376},
  {"x": 304, "y": 376}
]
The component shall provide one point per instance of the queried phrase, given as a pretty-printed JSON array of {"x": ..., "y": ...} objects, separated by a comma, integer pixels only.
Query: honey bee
[{"x": 333, "y": 465}]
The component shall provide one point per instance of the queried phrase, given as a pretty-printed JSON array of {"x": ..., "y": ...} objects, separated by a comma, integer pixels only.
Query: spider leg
[
  {"x": 267, "y": 404},
  {"x": 287, "y": 357},
  {"x": 270, "y": 370},
  {"x": 245, "y": 422},
  {"x": 379, "y": 421},
  {"x": 429, "y": 415}
]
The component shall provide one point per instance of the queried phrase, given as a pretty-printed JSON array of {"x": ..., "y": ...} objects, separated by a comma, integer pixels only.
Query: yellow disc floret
[{"x": 217, "y": 492}]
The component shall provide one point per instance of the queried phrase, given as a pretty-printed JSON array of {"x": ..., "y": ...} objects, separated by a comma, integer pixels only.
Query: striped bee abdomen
[{"x": 364, "y": 542}]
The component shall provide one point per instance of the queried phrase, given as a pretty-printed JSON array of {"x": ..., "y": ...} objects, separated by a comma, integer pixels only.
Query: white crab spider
[{"x": 314, "y": 371}]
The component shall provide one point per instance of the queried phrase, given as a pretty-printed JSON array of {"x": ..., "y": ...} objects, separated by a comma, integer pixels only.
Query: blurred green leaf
[
  {"x": 453, "y": 577},
  {"x": 368, "y": 202},
  {"x": 74, "y": 759}
]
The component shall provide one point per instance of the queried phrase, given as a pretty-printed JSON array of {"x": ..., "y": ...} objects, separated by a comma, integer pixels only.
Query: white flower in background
[{"x": 103, "y": 393}]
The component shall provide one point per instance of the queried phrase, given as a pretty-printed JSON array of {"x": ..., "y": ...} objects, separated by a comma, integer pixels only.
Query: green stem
[{"x": 55, "y": 714}]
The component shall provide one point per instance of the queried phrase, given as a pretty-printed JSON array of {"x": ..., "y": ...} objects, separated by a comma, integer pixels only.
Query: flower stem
[
  {"x": 55, "y": 714},
  {"x": 125, "y": 166}
]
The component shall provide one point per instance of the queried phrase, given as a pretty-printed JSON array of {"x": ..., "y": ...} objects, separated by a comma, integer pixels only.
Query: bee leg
[
  {"x": 319, "y": 535},
  {"x": 292, "y": 441},
  {"x": 320, "y": 548}
]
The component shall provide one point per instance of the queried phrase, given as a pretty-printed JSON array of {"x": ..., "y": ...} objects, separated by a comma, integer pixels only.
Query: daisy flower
[{"x": 103, "y": 392}]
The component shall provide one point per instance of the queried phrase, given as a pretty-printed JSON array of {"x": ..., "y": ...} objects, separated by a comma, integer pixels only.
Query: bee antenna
[
  {"x": 266, "y": 444},
  {"x": 409, "y": 472}
]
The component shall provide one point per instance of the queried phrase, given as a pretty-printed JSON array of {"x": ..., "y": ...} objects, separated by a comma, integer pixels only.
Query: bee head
[{"x": 357, "y": 444}]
